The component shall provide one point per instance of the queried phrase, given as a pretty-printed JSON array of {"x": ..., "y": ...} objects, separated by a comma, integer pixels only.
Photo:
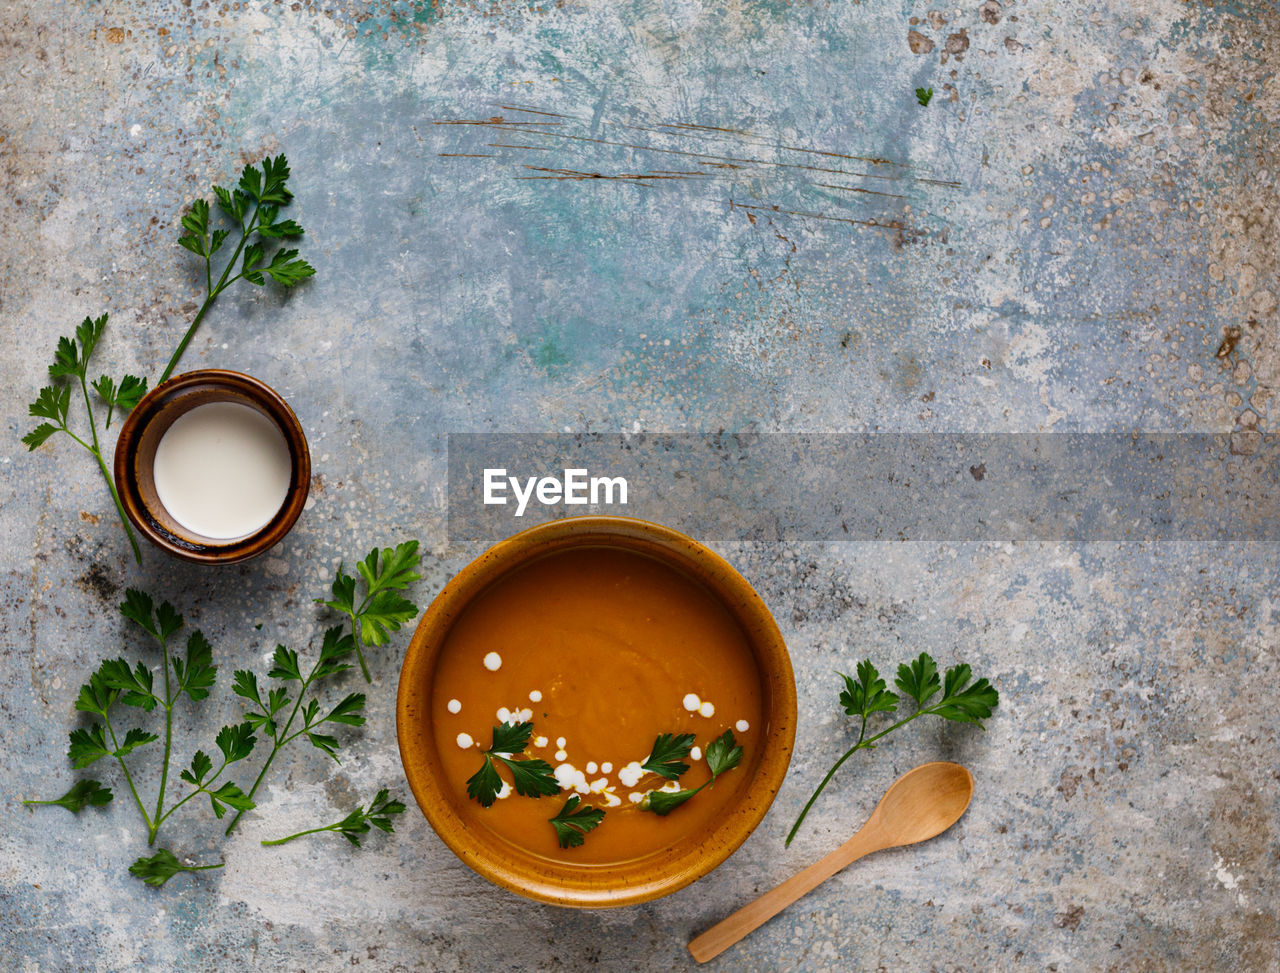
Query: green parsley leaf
[
  {"x": 350, "y": 711},
  {"x": 723, "y": 753},
  {"x": 868, "y": 694},
  {"x": 83, "y": 793},
  {"x": 287, "y": 269},
  {"x": 96, "y": 696},
  {"x": 201, "y": 764},
  {"x": 39, "y": 435},
  {"x": 87, "y": 745},
  {"x": 196, "y": 676},
  {"x": 666, "y": 759},
  {"x": 285, "y": 665},
  {"x": 484, "y": 784},
  {"x": 162, "y": 866},
  {"x": 572, "y": 822},
  {"x": 132, "y": 740},
  {"x": 971, "y": 705},
  {"x": 531, "y": 777},
  {"x": 924, "y": 96},
  {"x": 236, "y": 742},
  {"x": 135, "y": 685},
  {"x": 919, "y": 680},
  {"x": 139, "y": 608}
]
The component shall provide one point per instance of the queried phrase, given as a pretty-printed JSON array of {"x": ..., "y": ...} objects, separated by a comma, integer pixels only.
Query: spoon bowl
[
  {"x": 919, "y": 805},
  {"x": 923, "y": 803}
]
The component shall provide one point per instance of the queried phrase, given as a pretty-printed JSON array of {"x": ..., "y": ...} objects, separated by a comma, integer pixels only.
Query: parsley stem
[
  {"x": 96, "y": 450},
  {"x": 864, "y": 742},
  {"x": 279, "y": 740},
  {"x": 168, "y": 739},
  {"x": 200, "y": 789},
  {"x": 300, "y": 834},
  {"x": 128, "y": 776}
]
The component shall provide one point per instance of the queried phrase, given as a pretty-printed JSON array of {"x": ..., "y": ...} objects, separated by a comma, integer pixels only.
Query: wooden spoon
[{"x": 919, "y": 805}]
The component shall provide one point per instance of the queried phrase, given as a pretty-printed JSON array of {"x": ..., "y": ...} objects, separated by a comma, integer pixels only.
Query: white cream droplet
[
  {"x": 455, "y": 706},
  {"x": 535, "y": 696},
  {"x": 692, "y": 702},
  {"x": 707, "y": 710},
  {"x": 493, "y": 662},
  {"x": 742, "y": 726},
  {"x": 465, "y": 741}
]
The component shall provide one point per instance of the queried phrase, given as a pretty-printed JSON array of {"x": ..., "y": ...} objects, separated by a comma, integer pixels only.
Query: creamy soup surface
[{"x": 602, "y": 649}]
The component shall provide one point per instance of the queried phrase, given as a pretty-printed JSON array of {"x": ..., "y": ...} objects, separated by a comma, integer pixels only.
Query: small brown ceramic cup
[{"x": 135, "y": 457}]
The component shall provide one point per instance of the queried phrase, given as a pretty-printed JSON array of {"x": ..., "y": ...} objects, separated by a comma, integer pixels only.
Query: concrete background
[{"x": 742, "y": 220}]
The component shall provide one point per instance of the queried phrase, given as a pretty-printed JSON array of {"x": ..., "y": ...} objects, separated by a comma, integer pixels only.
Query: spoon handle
[{"x": 754, "y": 914}]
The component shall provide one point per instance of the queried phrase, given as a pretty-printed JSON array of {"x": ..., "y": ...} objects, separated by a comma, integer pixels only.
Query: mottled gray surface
[{"x": 742, "y": 220}]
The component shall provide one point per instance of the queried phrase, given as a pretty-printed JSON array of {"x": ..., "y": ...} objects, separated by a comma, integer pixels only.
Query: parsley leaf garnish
[
  {"x": 917, "y": 681},
  {"x": 668, "y": 754},
  {"x": 83, "y": 793},
  {"x": 382, "y": 610},
  {"x": 573, "y": 822},
  {"x": 924, "y": 96},
  {"x": 531, "y": 777},
  {"x": 723, "y": 753},
  {"x": 358, "y": 822}
]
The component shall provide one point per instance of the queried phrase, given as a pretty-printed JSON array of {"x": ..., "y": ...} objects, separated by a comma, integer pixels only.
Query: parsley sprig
[
  {"x": 382, "y": 609},
  {"x": 267, "y": 714},
  {"x": 253, "y": 208},
  {"x": 573, "y": 822},
  {"x": 116, "y": 682},
  {"x": 530, "y": 776},
  {"x": 723, "y": 754},
  {"x": 71, "y": 367},
  {"x": 358, "y": 822},
  {"x": 162, "y": 866},
  {"x": 917, "y": 681}
]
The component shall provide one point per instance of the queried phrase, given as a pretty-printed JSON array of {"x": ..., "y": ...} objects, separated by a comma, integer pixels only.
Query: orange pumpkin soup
[{"x": 602, "y": 650}]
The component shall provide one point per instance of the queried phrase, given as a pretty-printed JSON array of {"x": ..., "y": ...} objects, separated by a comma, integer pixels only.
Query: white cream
[
  {"x": 493, "y": 662},
  {"x": 707, "y": 710},
  {"x": 630, "y": 774},
  {"x": 222, "y": 470},
  {"x": 455, "y": 706},
  {"x": 465, "y": 741},
  {"x": 692, "y": 702},
  {"x": 742, "y": 726}
]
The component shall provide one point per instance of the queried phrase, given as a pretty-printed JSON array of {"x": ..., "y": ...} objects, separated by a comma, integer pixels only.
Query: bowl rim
[
  {"x": 238, "y": 386},
  {"x": 662, "y": 872}
]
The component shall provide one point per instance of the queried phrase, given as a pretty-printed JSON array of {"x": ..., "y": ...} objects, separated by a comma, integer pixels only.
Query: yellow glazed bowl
[{"x": 594, "y": 886}]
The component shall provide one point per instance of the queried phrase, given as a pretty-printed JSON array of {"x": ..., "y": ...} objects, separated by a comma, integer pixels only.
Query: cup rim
[
  {"x": 589, "y": 886},
  {"x": 159, "y": 402}
]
